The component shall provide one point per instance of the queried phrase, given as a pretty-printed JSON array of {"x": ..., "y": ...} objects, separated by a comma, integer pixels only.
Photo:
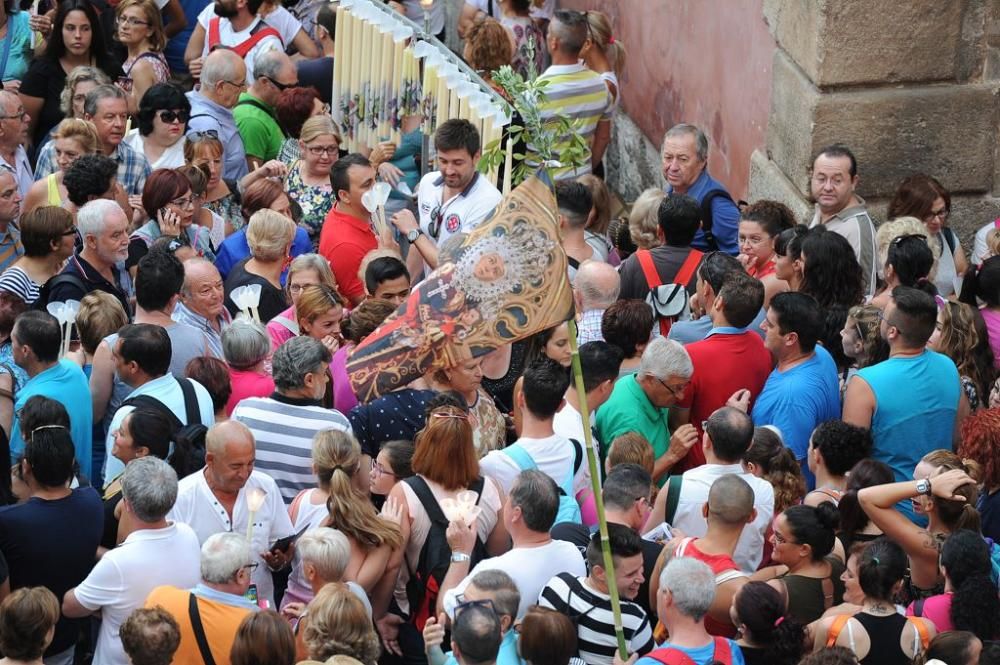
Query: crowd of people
[{"x": 795, "y": 422}]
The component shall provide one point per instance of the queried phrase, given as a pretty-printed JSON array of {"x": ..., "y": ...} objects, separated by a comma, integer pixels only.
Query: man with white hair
[
  {"x": 13, "y": 136},
  {"x": 255, "y": 114},
  {"x": 321, "y": 557},
  {"x": 687, "y": 589},
  {"x": 156, "y": 552},
  {"x": 211, "y": 612},
  {"x": 223, "y": 78},
  {"x": 103, "y": 227},
  {"x": 10, "y": 208},
  {"x": 640, "y": 403},
  {"x": 218, "y": 499},
  {"x": 596, "y": 287},
  {"x": 202, "y": 302}
]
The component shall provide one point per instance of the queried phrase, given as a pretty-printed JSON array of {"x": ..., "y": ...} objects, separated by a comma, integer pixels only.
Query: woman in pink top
[
  {"x": 363, "y": 320},
  {"x": 305, "y": 270},
  {"x": 246, "y": 346},
  {"x": 320, "y": 311}
]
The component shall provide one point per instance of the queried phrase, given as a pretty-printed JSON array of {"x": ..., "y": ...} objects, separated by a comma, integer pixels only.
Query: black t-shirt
[
  {"x": 579, "y": 535},
  {"x": 272, "y": 299},
  {"x": 52, "y": 544},
  {"x": 92, "y": 281}
]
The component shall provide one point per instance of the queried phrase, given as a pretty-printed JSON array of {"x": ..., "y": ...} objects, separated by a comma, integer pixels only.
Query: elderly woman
[
  {"x": 305, "y": 270},
  {"x": 72, "y": 138},
  {"x": 295, "y": 106},
  {"x": 140, "y": 30},
  {"x": 162, "y": 121},
  {"x": 246, "y": 347},
  {"x": 168, "y": 193},
  {"x": 269, "y": 235},
  {"x": 489, "y": 429},
  {"x": 308, "y": 180},
  {"x": 48, "y": 235},
  {"x": 643, "y": 221}
]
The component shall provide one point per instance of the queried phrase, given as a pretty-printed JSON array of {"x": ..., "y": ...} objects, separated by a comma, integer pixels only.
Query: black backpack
[
  {"x": 706, "y": 216},
  {"x": 435, "y": 556},
  {"x": 193, "y": 432},
  {"x": 45, "y": 293}
]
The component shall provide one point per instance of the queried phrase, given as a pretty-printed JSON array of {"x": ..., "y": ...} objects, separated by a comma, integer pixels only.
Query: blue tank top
[{"x": 916, "y": 401}]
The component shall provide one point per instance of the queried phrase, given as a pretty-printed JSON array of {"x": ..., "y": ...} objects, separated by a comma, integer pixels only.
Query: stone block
[
  {"x": 857, "y": 42},
  {"x": 970, "y": 213},
  {"x": 790, "y": 123},
  {"x": 768, "y": 182},
  {"x": 632, "y": 162}
]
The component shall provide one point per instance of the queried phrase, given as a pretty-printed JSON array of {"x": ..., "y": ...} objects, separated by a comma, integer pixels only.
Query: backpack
[
  {"x": 194, "y": 431},
  {"x": 45, "y": 293},
  {"x": 424, "y": 585},
  {"x": 569, "y": 509},
  {"x": 669, "y": 302},
  {"x": 667, "y": 655},
  {"x": 706, "y": 216},
  {"x": 257, "y": 34},
  {"x": 841, "y": 620}
]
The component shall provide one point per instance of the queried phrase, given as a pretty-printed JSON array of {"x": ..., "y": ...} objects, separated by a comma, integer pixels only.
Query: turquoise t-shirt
[
  {"x": 506, "y": 656},
  {"x": 19, "y": 56},
  {"x": 701, "y": 655}
]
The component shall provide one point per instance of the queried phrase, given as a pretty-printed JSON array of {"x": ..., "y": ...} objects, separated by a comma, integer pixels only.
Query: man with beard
[
  {"x": 235, "y": 25},
  {"x": 454, "y": 199}
]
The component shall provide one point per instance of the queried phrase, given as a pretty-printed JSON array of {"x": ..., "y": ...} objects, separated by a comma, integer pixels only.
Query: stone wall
[{"x": 910, "y": 86}]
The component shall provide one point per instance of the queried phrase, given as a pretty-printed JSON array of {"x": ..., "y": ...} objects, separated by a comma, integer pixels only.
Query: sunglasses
[
  {"x": 281, "y": 86},
  {"x": 434, "y": 228},
  {"x": 170, "y": 117},
  {"x": 207, "y": 135}
]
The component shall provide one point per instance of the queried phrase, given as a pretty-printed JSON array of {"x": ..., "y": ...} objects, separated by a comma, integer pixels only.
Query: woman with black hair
[
  {"x": 788, "y": 256},
  {"x": 767, "y": 635},
  {"x": 877, "y": 634},
  {"x": 959, "y": 647},
  {"x": 969, "y": 601},
  {"x": 161, "y": 124},
  {"x": 760, "y": 225},
  {"x": 909, "y": 262},
  {"x": 855, "y": 527},
  {"x": 145, "y": 431},
  {"x": 983, "y": 284},
  {"x": 76, "y": 39},
  {"x": 802, "y": 539}
]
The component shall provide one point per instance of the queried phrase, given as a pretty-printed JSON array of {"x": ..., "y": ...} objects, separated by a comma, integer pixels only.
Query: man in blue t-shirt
[
  {"x": 803, "y": 390},
  {"x": 687, "y": 589}
]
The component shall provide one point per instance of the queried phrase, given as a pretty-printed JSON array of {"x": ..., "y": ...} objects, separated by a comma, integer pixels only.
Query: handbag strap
[{"x": 199, "y": 630}]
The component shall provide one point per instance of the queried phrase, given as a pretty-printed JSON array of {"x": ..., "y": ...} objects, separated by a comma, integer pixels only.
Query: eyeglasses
[
  {"x": 208, "y": 134},
  {"x": 899, "y": 239},
  {"x": 251, "y": 566},
  {"x": 485, "y": 603},
  {"x": 20, "y": 115},
  {"x": 295, "y": 288},
  {"x": 678, "y": 392},
  {"x": 381, "y": 470},
  {"x": 71, "y": 231},
  {"x": 781, "y": 540},
  {"x": 281, "y": 86},
  {"x": 318, "y": 150},
  {"x": 171, "y": 117},
  {"x": 940, "y": 214},
  {"x": 242, "y": 85},
  {"x": 185, "y": 202},
  {"x": 130, "y": 21}
]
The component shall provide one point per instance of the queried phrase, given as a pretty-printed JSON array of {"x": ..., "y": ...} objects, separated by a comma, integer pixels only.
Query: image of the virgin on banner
[{"x": 502, "y": 282}]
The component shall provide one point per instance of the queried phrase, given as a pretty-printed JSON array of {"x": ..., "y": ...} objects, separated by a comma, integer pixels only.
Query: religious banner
[{"x": 502, "y": 282}]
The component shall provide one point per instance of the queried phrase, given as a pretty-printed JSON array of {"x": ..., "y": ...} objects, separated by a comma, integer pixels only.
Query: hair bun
[{"x": 827, "y": 515}]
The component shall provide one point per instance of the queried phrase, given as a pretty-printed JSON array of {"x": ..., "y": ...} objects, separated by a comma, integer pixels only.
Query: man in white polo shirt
[{"x": 454, "y": 199}]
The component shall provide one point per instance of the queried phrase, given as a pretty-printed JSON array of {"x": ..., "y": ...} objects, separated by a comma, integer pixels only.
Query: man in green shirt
[
  {"x": 255, "y": 116},
  {"x": 639, "y": 402}
]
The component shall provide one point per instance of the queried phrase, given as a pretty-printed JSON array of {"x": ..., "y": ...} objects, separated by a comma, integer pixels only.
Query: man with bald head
[
  {"x": 255, "y": 112},
  {"x": 223, "y": 78},
  {"x": 596, "y": 287},
  {"x": 728, "y": 510},
  {"x": 13, "y": 135},
  {"x": 201, "y": 304},
  {"x": 215, "y": 500}
]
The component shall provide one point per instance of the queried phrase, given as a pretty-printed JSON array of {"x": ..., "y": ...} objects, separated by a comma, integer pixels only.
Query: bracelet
[{"x": 460, "y": 557}]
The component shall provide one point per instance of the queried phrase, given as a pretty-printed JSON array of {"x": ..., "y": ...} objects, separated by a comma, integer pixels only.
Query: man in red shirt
[
  {"x": 731, "y": 358},
  {"x": 347, "y": 233}
]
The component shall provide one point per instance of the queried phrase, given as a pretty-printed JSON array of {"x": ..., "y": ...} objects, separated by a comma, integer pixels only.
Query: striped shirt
[
  {"x": 591, "y": 611},
  {"x": 17, "y": 282},
  {"x": 579, "y": 94},
  {"x": 283, "y": 428}
]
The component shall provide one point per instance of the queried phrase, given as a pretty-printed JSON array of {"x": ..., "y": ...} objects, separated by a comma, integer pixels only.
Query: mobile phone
[
  {"x": 282, "y": 544},
  {"x": 251, "y": 594}
]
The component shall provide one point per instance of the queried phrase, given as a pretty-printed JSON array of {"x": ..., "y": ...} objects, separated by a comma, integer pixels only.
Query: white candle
[{"x": 508, "y": 167}]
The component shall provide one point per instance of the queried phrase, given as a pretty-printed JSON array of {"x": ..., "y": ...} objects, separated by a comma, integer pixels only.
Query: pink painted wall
[{"x": 706, "y": 62}]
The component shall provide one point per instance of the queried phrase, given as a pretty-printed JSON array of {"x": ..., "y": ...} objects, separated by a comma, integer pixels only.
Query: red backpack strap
[
  {"x": 671, "y": 656},
  {"x": 255, "y": 38},
  {"x": 723, "y": 651},
  {"x": 833, "y": 632},
  {"x": 645, "y": 259},
  {"x": 213, "y": 33},
  {"x": 690, "y": 264}
]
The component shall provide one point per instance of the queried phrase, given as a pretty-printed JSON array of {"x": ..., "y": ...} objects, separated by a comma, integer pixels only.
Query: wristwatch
[
  {"x": 924, "y": 486},
  {"x": 459, "y": 557},
  {"x": 412, "y": 236}
]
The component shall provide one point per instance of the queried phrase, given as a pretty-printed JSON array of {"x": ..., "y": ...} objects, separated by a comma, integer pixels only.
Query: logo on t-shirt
[{"x": 452, "y": 223}]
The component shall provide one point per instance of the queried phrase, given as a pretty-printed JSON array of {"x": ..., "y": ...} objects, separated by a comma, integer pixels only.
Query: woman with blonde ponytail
[
  {"x": 602, "y": 52},
  {"x": 944, "y": 490}
]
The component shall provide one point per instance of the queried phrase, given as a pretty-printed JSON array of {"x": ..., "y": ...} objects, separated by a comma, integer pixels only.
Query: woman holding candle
[
  {"x": 140, "y": 30},
  {"x": 308, "y": 179},
  {"x": 269, "y": 235}
]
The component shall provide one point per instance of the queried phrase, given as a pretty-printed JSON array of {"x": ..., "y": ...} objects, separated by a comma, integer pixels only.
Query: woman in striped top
[{"x": 48, "y": 236}]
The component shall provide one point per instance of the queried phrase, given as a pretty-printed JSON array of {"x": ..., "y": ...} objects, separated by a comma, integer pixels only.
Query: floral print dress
[{"x": 315, "y": 200}]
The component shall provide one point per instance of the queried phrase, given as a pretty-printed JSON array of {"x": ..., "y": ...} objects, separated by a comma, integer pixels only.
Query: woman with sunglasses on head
[
  {"x": 160, "y": 126},
  {"x": 923, "y": 197},
  {"x": 48, "y": 235},
  {"x": 76, "y": 39},
  {"x": 167, "y": 195},
  {"x": 139, "y": 27},
  {"x": 905, "y": 256},
  {"x": 73, "y": 139}
]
